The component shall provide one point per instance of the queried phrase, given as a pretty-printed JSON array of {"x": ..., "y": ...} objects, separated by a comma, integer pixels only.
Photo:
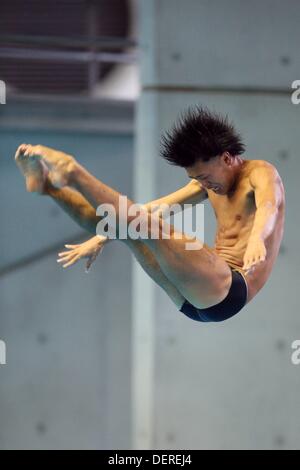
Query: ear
[{"x": 227, "y": 158}]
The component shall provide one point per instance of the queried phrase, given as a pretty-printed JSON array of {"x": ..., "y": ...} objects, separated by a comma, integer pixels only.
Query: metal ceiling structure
[{"x": 62, "y": 46}]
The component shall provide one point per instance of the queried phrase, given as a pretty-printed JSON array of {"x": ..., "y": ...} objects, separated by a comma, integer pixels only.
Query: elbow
[{"x": 271, "y": 207}]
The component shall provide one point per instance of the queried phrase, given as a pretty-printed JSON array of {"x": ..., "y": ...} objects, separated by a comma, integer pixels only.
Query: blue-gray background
[{"x": 105, "y": 360}]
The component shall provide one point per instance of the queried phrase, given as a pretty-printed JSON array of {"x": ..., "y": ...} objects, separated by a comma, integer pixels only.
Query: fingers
[
  {"x": 248, "y": 270},
  {"x": 250, "y": 263},
  {"x": 72, "y": 261},
  {"x": 69, "y": 260},
  {"x": 75, "y": 253},
  {"x": 65, "y": 258},
  {"x": 70, "y": 257},
  {"x": 72, "y": 247},
  {"x": 63, "y": 254}
]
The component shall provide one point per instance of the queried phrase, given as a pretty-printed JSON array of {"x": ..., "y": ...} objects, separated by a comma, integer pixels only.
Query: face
[{"x": 217, "y": 174}]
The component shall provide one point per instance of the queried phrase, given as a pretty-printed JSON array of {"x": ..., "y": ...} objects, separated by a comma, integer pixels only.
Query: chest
[{"x": 239, "y": 206}]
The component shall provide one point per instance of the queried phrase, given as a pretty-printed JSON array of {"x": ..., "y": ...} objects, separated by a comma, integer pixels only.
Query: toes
[
  {"x": 20, "y": 150},
  {"x": 22, "y": 147},
  {"x": 29, "y": 151}
]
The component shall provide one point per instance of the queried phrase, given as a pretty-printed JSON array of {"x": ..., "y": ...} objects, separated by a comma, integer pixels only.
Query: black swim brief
[{"x": 232, "y": 304}]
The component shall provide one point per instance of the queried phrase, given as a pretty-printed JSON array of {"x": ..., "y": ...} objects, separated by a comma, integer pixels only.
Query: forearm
[
  {"x": 192, "y": 193},
  {"x": 264, "y": 222},
  {"x": 104, "y": 199},
  {"x": 98, "y": 193},
  {"x": 75, "y": 205},
  {"x": 162, "y": 206}
]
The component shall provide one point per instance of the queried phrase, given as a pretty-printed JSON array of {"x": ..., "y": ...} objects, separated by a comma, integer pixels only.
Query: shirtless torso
[{"x": 235, "y": 214}]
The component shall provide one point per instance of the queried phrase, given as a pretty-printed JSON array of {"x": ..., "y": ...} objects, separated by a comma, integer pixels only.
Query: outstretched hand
[
  {"x": 254, "y": 254},
  {"x": 89, "y": 249}
]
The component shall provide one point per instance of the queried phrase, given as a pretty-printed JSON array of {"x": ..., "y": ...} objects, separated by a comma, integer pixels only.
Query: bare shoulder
[
  {"x": 265, "y": 179},
  {"x": 258, "y": 169}
]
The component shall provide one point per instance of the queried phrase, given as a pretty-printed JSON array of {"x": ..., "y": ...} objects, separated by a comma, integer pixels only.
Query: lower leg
[
  {"x": 79, "y": 209},
  {"x": 74, "y": 204}
]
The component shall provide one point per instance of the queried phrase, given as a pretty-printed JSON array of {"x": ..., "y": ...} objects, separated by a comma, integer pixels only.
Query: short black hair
[{"x": 200, "y": 134}]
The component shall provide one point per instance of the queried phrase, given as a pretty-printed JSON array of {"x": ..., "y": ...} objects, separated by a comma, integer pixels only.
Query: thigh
[{"x": 201, "y": 276}]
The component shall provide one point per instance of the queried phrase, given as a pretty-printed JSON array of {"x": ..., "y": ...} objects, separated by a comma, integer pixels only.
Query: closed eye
[{"x": 199, "y": 177}]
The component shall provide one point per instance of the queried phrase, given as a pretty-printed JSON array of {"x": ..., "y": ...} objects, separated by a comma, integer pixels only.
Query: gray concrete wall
[
  {"x": 66, "y": 384},
  {"x": 92, "y": 358},
  {"x": 230, "y": 385}
]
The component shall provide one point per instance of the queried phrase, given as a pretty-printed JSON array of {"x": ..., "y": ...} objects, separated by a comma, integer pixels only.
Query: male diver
[{"x": 207, "y": 284}]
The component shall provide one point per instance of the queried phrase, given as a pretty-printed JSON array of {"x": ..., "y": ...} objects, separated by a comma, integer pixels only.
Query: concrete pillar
[{"x": 238, "y": 58}]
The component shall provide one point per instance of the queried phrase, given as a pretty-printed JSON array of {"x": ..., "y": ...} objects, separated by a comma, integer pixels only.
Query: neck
[
  {"x": 239, "y": 164},
  {"x": 237, "y": 169}
]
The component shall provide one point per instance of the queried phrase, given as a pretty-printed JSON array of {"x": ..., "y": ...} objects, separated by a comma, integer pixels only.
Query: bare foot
[
  {"x": 58, "y": 164},
  {"x": 34, "y": 170}
]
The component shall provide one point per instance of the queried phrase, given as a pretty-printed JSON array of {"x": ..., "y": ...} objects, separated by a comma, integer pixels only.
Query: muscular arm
[
  {"x": 192, "y": 193},
  {"x": 268, "y": 191}
]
